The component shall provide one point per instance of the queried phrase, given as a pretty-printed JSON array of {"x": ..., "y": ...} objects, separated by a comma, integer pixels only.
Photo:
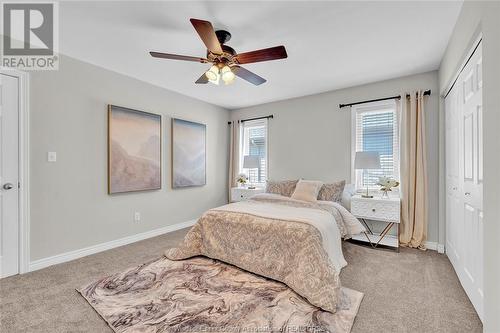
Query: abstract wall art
[
  {"x": 188, "y": 153},
  {"x": 134, "y": 150}
]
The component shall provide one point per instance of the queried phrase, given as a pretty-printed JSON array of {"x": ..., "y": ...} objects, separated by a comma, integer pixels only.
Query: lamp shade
[
  {"x": 251, "y": 162},
  {"x": 367, "y": 160}
]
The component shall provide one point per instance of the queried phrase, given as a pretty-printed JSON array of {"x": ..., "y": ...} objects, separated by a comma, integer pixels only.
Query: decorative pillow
[
  {"x": 332, "y": 192},
  {"x": 307, "y": 190},
  {"x": 349, "y": 191},
  {"x": 284, "y": 187}
]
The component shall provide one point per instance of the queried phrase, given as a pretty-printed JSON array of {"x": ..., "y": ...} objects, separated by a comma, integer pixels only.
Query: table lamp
[
  {"x": 367, "y": 160},
  {"x": 251, "y": 162}
]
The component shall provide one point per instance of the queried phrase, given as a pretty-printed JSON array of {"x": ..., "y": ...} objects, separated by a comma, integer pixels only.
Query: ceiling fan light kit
[
  {"x": 227, "y": 75},
  {"x": 226, "y": 62},
  {"x": 218, "y": 72},
  {"x": 213, "y": 73}
]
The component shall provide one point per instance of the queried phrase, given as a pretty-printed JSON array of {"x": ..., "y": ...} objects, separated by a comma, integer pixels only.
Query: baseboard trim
[
  {"x": 72, "y": 255},
  {"x": 435, "y": 246}
]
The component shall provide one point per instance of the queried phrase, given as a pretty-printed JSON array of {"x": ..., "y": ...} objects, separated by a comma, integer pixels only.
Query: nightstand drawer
[
  {"x": 376, "y": 209},
  {"x": 241, "y": 194}
]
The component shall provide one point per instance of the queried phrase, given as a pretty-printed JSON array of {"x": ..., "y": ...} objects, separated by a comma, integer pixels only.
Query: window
[
  {"x": 254, "y": 143},
  {"x": 375, "y": 128}
]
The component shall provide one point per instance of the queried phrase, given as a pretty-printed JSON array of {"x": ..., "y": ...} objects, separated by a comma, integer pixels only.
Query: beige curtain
[
  {"x": 413, "y": 165},
  {"x": 234, "y": 155}
]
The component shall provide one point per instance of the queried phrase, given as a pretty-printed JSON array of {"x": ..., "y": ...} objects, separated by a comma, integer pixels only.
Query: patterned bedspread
[{"x": 280, "y": 238}]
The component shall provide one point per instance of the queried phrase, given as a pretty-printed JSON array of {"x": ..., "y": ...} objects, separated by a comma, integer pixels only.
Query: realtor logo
[{"x": 30, "y": 36}]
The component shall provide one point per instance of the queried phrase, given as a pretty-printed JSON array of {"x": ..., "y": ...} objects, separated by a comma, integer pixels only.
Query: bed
[{"x": 292, "y": 241}]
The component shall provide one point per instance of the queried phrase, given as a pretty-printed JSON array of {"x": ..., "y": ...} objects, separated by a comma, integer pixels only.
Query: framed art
[
  {"x": 134, "y": 150},
  {"x": 188, "y": 153}
]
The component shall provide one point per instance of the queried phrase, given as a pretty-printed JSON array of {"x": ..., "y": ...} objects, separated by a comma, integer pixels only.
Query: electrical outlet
[{"x": 137, "y": 217}]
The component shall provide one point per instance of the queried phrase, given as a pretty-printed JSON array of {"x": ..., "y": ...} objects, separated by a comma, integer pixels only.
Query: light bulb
[
  {"x": 213, "y": 73},
  {"x": 227, "y": 75}
]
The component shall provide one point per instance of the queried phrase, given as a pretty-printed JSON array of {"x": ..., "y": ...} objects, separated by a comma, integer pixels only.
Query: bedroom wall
[
  {"x": 483, "y": 17},
  {"x": 70, "y": 207},
  {"x": 310, "y": 136}
]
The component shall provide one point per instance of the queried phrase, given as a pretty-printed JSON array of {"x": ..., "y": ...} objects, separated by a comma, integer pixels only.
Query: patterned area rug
[{"x": 205, "y": 295}]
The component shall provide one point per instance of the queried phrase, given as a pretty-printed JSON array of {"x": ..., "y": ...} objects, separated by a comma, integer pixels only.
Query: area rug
[{"x": 205, "y": 295}]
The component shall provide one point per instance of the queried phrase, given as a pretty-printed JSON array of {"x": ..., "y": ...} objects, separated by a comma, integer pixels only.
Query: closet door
[
  {"x": 471, "y": 85},
  {"x": 454, "y": 219},
  {"x": 464, "y": 179}
]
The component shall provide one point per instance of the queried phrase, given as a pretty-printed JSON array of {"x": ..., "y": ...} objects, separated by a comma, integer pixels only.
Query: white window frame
[
  {"x": 367, "y": 107},
  {"x": 241, "y": 150}
]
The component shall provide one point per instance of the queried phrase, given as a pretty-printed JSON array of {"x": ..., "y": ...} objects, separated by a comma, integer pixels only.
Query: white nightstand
[
  {"x": 242, "y": 193},
  {"x": 377, "y": 209}
]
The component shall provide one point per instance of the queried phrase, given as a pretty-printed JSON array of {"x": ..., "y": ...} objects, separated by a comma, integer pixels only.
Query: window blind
[
  {"x": 376, "y": 128},
  {"x": 254, "y": 143}
]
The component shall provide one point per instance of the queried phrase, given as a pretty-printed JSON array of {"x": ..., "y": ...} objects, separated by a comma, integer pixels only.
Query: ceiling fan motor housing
[
  {"x": 223, "y": 36},
  {"x": 227, "y": 57}
]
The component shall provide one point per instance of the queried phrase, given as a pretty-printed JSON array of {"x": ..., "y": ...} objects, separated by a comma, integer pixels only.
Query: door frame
[{"x": 24, "y": 159}]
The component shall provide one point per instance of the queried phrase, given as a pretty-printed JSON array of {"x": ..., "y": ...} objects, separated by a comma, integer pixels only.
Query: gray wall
[
  {"x": 70, "y": 207},
  {"x": 476, "y": 17},
  {"x": 310, "y": 136}
]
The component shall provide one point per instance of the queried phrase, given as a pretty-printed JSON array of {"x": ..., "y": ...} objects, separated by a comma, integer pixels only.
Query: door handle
[
  {"x": 467, "y": 193},
  {"x": 8, "y": 186}
]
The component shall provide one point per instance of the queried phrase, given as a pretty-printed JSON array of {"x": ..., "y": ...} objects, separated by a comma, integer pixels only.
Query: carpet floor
[{"x": 410, "y": 291}]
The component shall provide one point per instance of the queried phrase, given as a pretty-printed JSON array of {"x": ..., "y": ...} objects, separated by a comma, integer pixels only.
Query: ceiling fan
[{"x": 226, "y": 62}]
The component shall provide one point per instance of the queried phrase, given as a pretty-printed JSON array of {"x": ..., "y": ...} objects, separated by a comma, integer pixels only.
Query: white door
[
  {"x": 464, "y": 179},
  {"x": 472, "y": 103},
  {"x": 454, "y": 220},
  {"x": 9, "y": 175}
]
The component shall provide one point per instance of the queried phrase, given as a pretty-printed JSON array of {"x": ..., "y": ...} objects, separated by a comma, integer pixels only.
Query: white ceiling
[{"x": 330, "y": 45}]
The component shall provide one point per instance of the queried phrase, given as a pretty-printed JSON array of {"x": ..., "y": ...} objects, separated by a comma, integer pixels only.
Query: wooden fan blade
[
  {"x": 177, "y": 57},
  {"x": 202, "y": 79},
  {"x": 245, "y": 74},
  {"x": 207, "y": 35},
  {"x": 272, "y": 53}
]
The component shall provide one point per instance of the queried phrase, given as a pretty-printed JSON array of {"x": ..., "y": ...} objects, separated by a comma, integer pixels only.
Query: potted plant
[
  {"x": 241, "y": 180},
  {"x": 387, "y": 184}
]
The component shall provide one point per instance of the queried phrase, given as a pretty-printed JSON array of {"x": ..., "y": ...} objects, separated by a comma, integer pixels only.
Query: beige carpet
[{"x": 410, "y": 291}]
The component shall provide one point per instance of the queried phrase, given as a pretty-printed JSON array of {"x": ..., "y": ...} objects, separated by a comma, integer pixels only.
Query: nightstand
[
  {"x": 242, "y": 193},
  {"x": 377, "y": 209}
]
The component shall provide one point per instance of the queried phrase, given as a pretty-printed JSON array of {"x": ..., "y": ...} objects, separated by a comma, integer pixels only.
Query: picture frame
[
  {"x": 134, "y": 150},
  {"x": 188, "y": 147}
]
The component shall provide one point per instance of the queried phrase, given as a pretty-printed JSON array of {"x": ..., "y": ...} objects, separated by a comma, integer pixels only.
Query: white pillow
[
  {"x": 307, "y": 190},
  {"x": 349, "y": 191}
]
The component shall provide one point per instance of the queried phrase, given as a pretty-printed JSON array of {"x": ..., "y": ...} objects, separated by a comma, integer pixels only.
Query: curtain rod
[
  {"x": 426, "y": 93},
  {"x": 243, "y": 120}
]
